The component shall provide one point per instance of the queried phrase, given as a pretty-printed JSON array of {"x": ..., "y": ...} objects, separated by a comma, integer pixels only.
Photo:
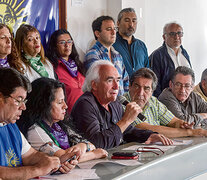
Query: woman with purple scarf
[
  {"x": 9, "y": 56},
  {"x": 46, "y": 126},
  {"x": 63, "y": 55}
]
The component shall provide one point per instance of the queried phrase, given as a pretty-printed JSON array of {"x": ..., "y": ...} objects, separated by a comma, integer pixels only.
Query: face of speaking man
[{"x": 107, "y": 87}]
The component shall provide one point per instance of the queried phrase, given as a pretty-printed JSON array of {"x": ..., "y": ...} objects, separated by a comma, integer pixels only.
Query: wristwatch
[{"x": 87, "y": 146}]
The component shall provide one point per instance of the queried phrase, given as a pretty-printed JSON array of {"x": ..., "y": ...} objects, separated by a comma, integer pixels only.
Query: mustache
[{"x": 131, "y": 29}]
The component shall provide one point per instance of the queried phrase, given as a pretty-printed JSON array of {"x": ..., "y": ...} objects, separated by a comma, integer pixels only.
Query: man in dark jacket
[
  {"x": 100, "y": 118},
  {"x": 169, "y": 56}
]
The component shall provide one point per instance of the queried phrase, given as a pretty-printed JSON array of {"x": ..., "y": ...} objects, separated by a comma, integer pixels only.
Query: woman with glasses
[
  {"x": 9, "y": 56},
  {"x": 45, "y": 124},
  {"x": 29, "y": 45},
  {"x": 65, "y": 59}
]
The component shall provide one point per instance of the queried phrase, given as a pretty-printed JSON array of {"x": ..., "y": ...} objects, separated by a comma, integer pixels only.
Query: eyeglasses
[
  {"x": 19, "y": 102},
  {"x": 112, "y": 29},
  {"x": 150, "y": 149},
  {"x": 63, "y": 42},
  {"x": 179, "y": 85},
  {"x": 173, "y": 34}
]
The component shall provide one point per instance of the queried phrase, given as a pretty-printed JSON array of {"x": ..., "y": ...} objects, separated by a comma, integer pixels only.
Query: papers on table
[
  {"x": 177, "y": 142},
  {"x": 77, "y": 174}
]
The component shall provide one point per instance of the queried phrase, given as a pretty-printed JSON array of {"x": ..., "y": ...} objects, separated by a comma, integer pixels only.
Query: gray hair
[
  {"x": 125, "y": 10},
  {"x": 168, "y": 25},
  {"x": 204, "y": 75},
  {"x": 184, "y": 71},
  {"x": 145, "y": 73},
  {"x": 93, "y": 74}
]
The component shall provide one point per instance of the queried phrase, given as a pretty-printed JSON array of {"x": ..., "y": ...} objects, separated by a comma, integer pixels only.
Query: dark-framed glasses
[
  {"x": 154, "y": 150},
  {"x": 63, "y": 42},
  {"x": 19, "y": 102},
  {"x": 173, "y": 34},
  {"x": 179, "y": 85}
]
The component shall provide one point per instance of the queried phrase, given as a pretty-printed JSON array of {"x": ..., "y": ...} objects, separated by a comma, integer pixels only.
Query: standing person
[
  {"x": 42, "y": 123},
  {"x": 18, "y": 160},
  {"x": 63, "y": 55},
  {"x": 100, "y": 118},
  {"x": 105, "y": 33},
  {"x": 133, "y": 51},
  {"x": 169, "y": 56},
  {"x": 32, "y": 53},
  {"x": 9, "y": 56}
]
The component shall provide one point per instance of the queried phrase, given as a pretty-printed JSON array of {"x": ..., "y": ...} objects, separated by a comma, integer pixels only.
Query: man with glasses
[
  {"x": 158, "y": 118},
  {"x": 105, "y": 33},
  {"x": 169, "y": 56},
  {"x": 182, "y": 101},
  {"x": 18, "y": 160},
  {"x": 133, "y": 50}
]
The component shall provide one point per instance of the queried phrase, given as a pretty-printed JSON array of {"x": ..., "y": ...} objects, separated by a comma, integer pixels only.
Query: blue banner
[{"x": 43, "y": 14}]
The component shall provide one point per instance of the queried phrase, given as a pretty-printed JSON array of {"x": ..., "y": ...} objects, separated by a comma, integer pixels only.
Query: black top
[{"x": 98, "y": 125}]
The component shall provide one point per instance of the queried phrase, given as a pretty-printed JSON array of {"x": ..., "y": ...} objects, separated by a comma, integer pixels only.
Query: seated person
[
  {"x": 100, "y": 118},
  {"x": 201, "y": 88},
  {"x": 158, "y": 118},
  {"x": 29, "y": 45},
  {"x": 18, "y": 160},
  {"x": 8, "y": 50},
  {"x": 42, "y": 123},
  {"x": 181, "y": 100},
  {"x": 65, "y": 59}
]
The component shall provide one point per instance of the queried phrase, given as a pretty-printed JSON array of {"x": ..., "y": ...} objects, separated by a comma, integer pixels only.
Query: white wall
[
  {"x": 79, "y": 20},
  {"x": 152, "y": 16},
  {"x": 192, "y": 15}
]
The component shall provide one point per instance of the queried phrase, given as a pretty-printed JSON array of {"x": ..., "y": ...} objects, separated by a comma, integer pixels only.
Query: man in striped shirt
[
  {"x": 105, "y": 33},
  {"x": 158, "y": 118}
]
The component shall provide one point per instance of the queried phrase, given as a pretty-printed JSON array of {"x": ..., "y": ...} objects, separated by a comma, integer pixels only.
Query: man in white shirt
[
  {"x": 18, "y": 160},
  {"x": 169, "y": 56}
]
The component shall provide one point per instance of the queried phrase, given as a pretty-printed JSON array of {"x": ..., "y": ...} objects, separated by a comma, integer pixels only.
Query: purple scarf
[
  {"x": 71, "y": 66},
  {"x": 4, "y": 63},
  {"x": 60, "y": 136}
]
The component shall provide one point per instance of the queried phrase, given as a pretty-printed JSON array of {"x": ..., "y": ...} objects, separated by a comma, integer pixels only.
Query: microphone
[{"x": 124, "y": 101}]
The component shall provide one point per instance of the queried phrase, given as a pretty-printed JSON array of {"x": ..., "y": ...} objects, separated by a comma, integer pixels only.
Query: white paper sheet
[{"x": 77, "y": 174}]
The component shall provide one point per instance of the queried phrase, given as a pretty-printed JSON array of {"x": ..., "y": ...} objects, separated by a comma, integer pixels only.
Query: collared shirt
[
  {"x": 99, "y": 52},
  {"x": 179, "y": 59},
  {"x": 155, "y": 112},
  {"x": 99, "y": 126},
  {"x": 188, "y": 111},
  {"x": 135, "y": 55}
]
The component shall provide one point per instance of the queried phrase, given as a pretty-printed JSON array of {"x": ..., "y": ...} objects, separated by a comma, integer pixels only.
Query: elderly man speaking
[{"x": 100, "y": 118}]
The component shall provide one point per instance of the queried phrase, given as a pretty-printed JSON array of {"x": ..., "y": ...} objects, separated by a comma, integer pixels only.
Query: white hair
[
  {"x": 93, "y": 74},
  {"x": 168, "y": 25}
]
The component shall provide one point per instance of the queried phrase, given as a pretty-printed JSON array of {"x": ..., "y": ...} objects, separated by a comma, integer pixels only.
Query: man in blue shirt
[
  {"x": 133, "y": 51},
  {"x": 18, "y": 160},
  {"x": 105, "y": 33}
]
